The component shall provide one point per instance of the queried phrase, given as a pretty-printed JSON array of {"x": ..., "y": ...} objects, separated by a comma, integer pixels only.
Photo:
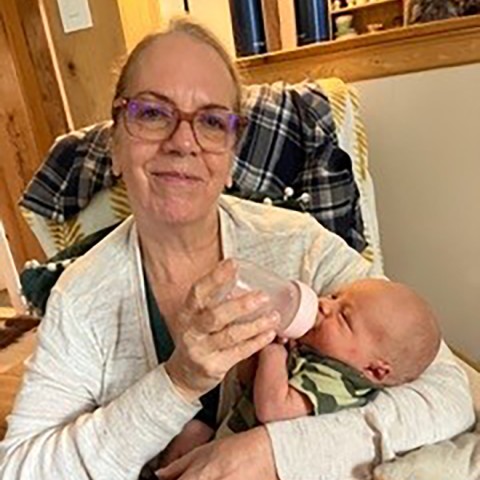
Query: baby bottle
[{"x": 295, "y": 301}]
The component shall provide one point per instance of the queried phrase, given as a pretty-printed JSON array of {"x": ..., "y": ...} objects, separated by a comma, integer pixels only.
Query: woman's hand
[
  {"x": 246, "y": 455},
  {"x": 212, "y": 334}
]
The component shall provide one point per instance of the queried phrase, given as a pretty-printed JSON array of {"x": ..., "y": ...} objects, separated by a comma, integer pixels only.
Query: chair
[{"x": 110, "y": 205}]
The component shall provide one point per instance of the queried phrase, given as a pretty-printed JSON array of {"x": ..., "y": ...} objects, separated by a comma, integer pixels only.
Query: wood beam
[{"x": 25, "y": 128}]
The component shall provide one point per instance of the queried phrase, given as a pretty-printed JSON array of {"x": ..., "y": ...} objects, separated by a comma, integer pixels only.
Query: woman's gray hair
[{"x": 194, "y": 30}]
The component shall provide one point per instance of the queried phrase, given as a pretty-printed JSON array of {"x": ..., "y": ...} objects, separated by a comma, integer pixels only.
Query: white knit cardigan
[{"x": 96, "y": 405}]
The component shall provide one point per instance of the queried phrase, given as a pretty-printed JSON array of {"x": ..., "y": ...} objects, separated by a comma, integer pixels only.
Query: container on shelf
[
  {"x": 312, "y": 20},
  {"x": 248, "y": 27}
]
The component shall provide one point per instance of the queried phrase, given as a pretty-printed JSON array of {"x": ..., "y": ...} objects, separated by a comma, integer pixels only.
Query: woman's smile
[{"x": 172, "y": 177}]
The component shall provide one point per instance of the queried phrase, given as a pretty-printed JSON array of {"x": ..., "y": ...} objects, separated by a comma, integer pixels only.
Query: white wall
[{"x": 424, "y": 140}]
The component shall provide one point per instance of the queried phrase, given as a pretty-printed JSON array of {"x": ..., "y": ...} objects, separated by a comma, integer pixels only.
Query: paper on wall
[{"x": 75, "y": 15}]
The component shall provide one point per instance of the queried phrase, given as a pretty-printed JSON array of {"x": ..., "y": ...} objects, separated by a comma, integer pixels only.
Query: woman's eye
[
  {"x": 151, "y": 113},
  {"x": 213, "y": 121},
  {"x": 147, "y": 112}
]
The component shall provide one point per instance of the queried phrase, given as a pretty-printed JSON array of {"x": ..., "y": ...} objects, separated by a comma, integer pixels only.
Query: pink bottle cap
[{"x": 306, "y": 314}]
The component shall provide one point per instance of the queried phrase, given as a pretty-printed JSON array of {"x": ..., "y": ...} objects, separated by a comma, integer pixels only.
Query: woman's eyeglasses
[{"x": 215, "y": 129}]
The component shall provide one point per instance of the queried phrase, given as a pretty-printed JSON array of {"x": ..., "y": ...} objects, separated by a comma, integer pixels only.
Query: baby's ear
[{"x": 377, "y": 371}]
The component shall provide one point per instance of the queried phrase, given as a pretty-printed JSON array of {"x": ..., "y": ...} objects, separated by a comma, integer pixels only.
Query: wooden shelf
[
  {"x": 372, "y": 3},
  {"x": 403, "y": 50}
]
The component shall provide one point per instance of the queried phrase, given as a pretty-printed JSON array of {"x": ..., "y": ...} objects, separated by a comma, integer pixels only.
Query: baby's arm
[
  {"x": 273, "y": 397},
  {"x": 194, "y": 434}
]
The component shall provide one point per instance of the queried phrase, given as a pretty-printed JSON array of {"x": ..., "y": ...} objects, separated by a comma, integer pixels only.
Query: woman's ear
[
  {"x": 229, "y": 179},
  {"x": 113, "y": 145}
]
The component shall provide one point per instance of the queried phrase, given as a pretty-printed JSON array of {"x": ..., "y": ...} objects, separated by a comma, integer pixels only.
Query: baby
[{"x": 369, "y": 334}]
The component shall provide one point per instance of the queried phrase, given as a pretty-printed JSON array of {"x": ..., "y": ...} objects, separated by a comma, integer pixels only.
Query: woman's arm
[
  {"x": 344, "y": 445},
  {"x": 60, "y": 424},
  {"x": 194, "y": 434},
  {"x": 56, "y": 426},
  {"x": 246, "y": 455}
]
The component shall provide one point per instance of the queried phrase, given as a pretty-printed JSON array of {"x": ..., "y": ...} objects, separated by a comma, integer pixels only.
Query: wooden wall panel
[
  {"x": 40, "y": 65},
  {"x": 24, "y": 132},
  {"x": 87, "y": 60}
]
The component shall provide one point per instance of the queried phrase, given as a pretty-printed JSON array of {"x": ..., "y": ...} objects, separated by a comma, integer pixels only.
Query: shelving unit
[{"x": 415, "y": 48}]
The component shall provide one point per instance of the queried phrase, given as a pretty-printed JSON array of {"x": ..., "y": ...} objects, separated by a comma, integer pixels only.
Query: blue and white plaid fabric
[
  {"x": 290, "y": 141},
  {"x": 77, "y": 167}
]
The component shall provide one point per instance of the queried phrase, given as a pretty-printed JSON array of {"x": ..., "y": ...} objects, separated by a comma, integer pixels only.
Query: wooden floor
[
  {"x": 11, "y": 364},
  {"x": 17, "y": 352},
  {"x": 9, "y": 384}
]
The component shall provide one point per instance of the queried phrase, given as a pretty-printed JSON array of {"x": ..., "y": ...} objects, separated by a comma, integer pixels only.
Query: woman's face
[{"x": 175, "y": 181}]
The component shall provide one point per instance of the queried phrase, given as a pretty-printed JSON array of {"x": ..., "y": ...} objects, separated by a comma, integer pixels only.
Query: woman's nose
[{"x": 182, "y": 141}]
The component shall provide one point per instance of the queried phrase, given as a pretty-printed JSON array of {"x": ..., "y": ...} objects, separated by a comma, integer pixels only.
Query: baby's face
[{"x": 351, "y": 322}]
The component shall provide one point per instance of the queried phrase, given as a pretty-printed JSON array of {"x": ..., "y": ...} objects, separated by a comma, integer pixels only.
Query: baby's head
[{"x": 381, "y": 328}]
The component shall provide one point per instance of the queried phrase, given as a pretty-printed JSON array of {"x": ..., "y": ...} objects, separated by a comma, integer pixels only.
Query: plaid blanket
[{"x": 290, "y": 141}]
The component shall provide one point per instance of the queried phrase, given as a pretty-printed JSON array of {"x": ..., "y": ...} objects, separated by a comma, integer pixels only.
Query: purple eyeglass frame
[{"x": 236, "y": 121}]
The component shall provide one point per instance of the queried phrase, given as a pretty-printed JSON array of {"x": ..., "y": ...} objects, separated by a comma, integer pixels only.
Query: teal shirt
[{"x": 164, "y": 347}]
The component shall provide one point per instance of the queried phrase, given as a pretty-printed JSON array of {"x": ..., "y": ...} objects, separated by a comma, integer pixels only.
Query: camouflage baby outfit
[{"x": 330, "y": 385}]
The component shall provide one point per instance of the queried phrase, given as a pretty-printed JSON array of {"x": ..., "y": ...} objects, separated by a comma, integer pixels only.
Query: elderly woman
[{"x": 113, "y": 381}]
